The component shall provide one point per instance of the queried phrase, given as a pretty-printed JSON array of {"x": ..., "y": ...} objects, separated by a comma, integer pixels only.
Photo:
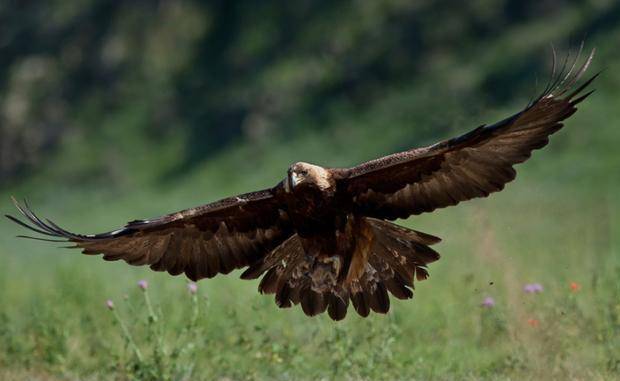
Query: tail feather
[
  {"x": 421, "y": 274},
  {"x": 338, "y": 306},
  {"x": 285, "y": 289},
  {"x": 281, "y": 253},
  {"x": 398, "y": 288},
  {"x": 403, "y": 232},
  {"x": 390, "y": 262},
  {"x": 312, "y": 302},
  {"x": 269, "y": 283},
  {"x": 394, "y": 256},
  {"x": 361, "y": 303},
  {"x": 379, "y": 299},
  {"x": 283, "y": 294}
]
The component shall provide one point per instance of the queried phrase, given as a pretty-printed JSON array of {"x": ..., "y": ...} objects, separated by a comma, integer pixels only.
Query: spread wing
[
  {"x": 469, "y": 166},
  {"x": 200, "y": 242}
]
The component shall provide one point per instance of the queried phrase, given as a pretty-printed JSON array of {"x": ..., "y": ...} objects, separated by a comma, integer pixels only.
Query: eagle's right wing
[
  {"x": 472, "y": 165},
  {"x": 201, "y": 242}
]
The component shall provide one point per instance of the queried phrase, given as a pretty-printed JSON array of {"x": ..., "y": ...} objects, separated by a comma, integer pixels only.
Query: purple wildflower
[
  {"x": 109, "y": 304},
  {"x": 533, "y": 288},
  {"x": 192, "y": 288},
  {"x": 143, "y": 285},
  {"x": 488, "y": 302}
]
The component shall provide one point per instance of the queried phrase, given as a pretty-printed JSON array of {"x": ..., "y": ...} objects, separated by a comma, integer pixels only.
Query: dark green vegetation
[{"x": 112, "y": 112}]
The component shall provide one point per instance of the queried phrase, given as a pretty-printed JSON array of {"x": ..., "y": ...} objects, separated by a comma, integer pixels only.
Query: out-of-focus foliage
[{"x": 108, "y": 80}]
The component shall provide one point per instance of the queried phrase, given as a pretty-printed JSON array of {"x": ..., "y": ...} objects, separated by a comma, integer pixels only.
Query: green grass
[
  {"x": 558, "y": 223},
  {"x": 54, "y": 321},
  {"x": 554, "y": 226}
]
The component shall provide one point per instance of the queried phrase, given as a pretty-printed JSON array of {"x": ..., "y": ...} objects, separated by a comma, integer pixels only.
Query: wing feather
[
  {"x": 200, "y": 242},
  {"x": 473, "y": 165}
]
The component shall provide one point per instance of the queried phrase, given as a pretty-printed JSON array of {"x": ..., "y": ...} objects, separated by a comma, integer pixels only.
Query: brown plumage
[{"x": 321, "y": 237}]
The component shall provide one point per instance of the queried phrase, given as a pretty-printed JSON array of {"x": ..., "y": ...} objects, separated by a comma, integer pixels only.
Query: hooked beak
[
  {"x": 294, "y": 180},
  {"x": 291, "y": 182}
]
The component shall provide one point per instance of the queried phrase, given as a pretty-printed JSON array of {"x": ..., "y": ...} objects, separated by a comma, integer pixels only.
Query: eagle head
[{"x": 308, "y": 175}]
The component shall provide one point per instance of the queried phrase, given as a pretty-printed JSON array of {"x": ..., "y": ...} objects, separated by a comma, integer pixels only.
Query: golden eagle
[{"x": 322, "y": 237}]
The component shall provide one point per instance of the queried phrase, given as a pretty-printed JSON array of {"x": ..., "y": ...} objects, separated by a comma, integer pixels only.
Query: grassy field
[{"x": 557, "y": 225}]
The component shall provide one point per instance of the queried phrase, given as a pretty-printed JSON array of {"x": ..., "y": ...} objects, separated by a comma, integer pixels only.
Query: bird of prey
[{"x": 323, "y": 237}]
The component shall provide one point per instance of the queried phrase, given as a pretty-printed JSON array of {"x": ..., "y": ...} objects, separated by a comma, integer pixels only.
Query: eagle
[{"x": 324, "y": 237}]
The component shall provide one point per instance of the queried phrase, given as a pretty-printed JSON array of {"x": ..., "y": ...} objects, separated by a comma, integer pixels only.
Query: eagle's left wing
[
  {"x": 469, "y": 166},
  {"x": 201, "y": 242}
]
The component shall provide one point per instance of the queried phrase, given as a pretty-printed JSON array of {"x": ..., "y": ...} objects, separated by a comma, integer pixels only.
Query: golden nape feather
[{"x": 321, "y": 237}]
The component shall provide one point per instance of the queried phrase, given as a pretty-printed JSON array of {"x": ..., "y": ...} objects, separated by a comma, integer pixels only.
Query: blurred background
[{"x": 112, "y": 111}]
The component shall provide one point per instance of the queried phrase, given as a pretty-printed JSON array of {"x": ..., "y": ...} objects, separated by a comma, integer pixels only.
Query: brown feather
[
  {"x": 203, "y": 241},
  {"x": 361, "y": 303},
  {"x": 398, "y": 288},
  {"x": 312, "y": 302},
  {"x": 379, "y": 299},
  {"x": 269, "y": 282},
  {"x": 473, "y": 165},
  {"x": 338, "y": 306}
]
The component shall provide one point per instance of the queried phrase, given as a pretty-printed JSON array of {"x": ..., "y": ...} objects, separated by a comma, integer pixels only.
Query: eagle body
[
  {"x": 343, "y": 255},
  {"x": 323, "y": 238}
]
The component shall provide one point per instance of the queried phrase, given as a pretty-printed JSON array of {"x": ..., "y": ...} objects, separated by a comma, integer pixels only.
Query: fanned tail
[
  {"x": 386, "y": 258},
  {"x": 397, "y": 255}
]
